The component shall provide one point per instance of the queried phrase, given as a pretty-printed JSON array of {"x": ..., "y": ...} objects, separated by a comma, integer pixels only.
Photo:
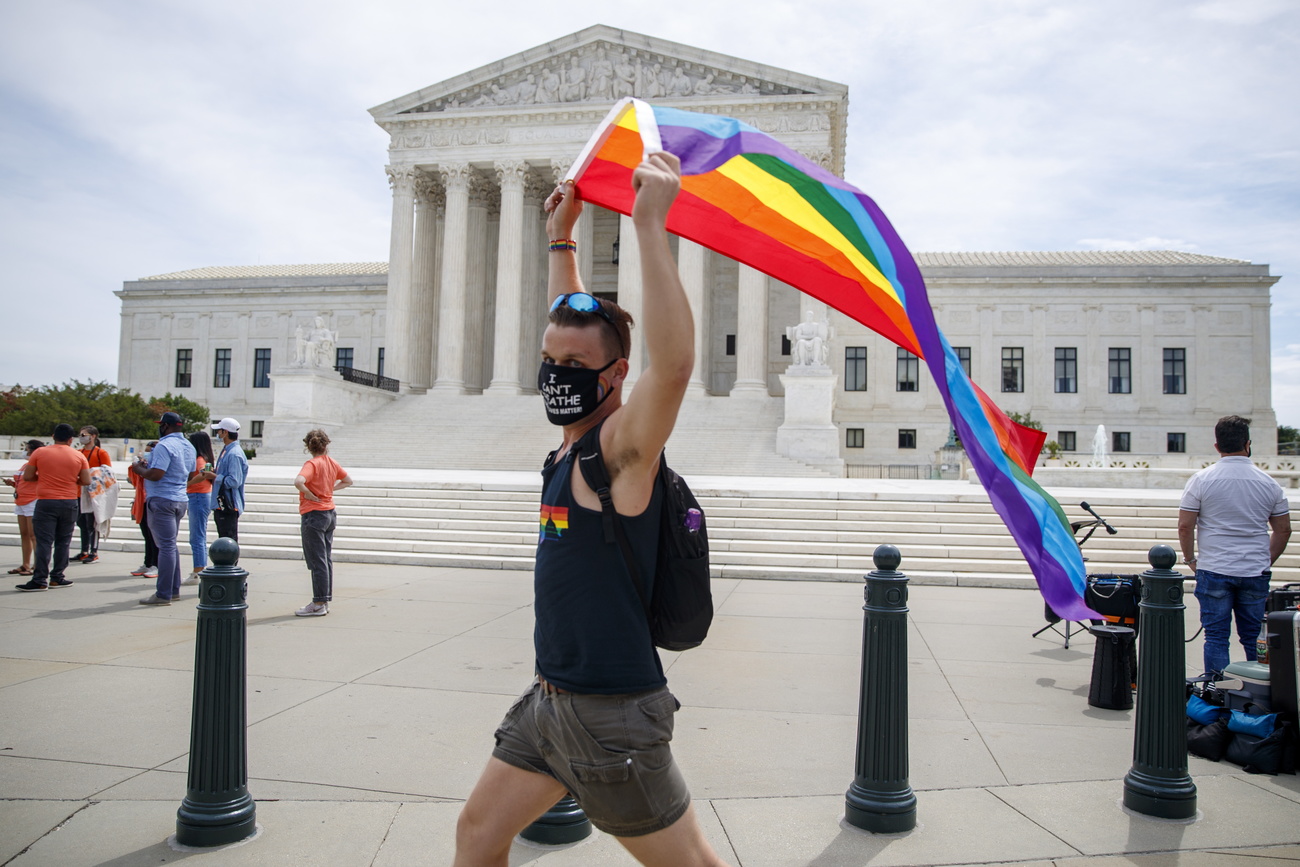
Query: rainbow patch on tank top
[{"x": 555, "y": 520}]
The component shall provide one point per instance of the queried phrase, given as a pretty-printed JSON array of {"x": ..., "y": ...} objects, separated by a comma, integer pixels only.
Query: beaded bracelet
[{"x": 561, "y": 244}]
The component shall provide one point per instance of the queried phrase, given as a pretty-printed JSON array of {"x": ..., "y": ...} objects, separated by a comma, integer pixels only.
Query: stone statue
[
  {"x": 320, "y": 345},
  {"x": 809, "y": 342},
  {"x": 300, "y": 347},
  {"x": 575, "y": 83},
  {"x": 549, "y": 86},
  {"x": 680, "y": 85},
  {"x": 625, "y": 74},
  {"x": 602, "y": 76}
]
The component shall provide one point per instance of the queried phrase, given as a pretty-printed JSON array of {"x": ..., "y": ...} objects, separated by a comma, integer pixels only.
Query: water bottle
[
  {"x": 694, "y": 518},
  {"x": 1261, "y": 645}
]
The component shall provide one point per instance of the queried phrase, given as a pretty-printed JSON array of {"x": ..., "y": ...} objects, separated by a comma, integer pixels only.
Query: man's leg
[
  {"x": 44, "y": 521},
  {"x": 505, "y": 801},
  {"x": 1216, "y": 618},
  {"x": 164, "y": 522},
  {"x": 681, "y": 844},
  {"x": 1249, "y": 600},
  {"x": 66, "y": 524}
]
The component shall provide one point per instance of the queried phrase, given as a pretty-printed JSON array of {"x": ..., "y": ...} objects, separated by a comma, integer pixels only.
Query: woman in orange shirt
[
  {"x": 96, "y": 456},
  {"x": 319, "y": 478},
  {"x": 199, "y": 492},
  {"x": 149, "y": 569},
  {"x": 24, "y": 508}
]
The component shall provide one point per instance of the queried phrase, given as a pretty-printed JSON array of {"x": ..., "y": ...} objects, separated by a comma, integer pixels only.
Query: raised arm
[
  {"x": 648, "y": 414},
  {"x": 563, "y": 209}
]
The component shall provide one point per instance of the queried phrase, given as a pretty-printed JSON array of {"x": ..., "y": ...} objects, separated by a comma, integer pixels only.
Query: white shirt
[{"x": 1234, "y": 500}]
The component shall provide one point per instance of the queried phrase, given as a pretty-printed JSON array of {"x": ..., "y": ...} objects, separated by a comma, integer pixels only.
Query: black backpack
[{"x": 680, "y": 607}]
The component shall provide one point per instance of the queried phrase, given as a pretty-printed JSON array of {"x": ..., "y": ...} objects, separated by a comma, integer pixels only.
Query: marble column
[
  {"x": 584, "y": 233},
  {"x": 535, "y": 264},
  {"x": 400, "y": 249},
  {"x": 482, "y": 194},
  {"x": 510, "y": 278},
  {"x": 692, "y": 264},
  {"x": 423, "y": 321},
  {"x": 751, "y": 334},
  {"x": 455, "y": 265},
  {"x": 630, "y": 294}
]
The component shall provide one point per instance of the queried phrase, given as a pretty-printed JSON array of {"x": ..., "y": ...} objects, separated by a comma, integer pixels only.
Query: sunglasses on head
[{"x": 584, "y": 303}]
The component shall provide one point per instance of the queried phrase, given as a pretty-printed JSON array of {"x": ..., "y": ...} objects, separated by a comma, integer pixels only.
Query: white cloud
[{"x": 1140, "y": 244}]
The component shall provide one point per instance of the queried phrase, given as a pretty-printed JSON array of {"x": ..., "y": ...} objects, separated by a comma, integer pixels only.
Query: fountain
[{"x": 1099, "y": 458}]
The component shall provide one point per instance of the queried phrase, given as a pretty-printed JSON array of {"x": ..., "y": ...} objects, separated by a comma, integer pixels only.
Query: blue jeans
[
  {"x": 53, "y": 522},
  {"x": 200, "y": 508},
  {"x": 317, "y": 545},
  {"x": 1221, "y": 597},
  {"x": 165, "y": 518}
]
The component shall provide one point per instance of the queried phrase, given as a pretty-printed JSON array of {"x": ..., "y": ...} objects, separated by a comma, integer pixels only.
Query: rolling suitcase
[
  {"x": 1284, "y": 661},
  {"x": 1284, "y": 597}
]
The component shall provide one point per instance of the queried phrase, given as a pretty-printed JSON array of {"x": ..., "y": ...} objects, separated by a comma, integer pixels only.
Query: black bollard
[
  {"x": 217, "y": 808},
  {"x": 1158, "y": 783},
  {"x": 563, "y": 823},
  {"x": 881, "y": 799}
]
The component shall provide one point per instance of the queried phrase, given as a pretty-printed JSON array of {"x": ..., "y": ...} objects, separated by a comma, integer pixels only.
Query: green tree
[
  {"x": 115, "y": 412},
  {"x": 1288, "y": 440},
  {"x": 195, "y": 414},
  {"x": 11, "y": 400}
]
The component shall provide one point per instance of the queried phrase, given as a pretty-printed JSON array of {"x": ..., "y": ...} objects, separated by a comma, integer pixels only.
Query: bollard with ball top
[
  {"x": 563, "y": 823},
  {"x": 1158, "y": 783},
  {"x": 881, "y": 799},
  {"x": 217, "y": 809}
]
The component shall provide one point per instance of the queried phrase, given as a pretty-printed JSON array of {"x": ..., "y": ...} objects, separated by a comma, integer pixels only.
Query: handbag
[
  {"x": 1208, "y": 741},
  {"x": 1202, "y": 712},
  {"x": 1256, "y": 725},
  {"x": 1273, "y": 754}
]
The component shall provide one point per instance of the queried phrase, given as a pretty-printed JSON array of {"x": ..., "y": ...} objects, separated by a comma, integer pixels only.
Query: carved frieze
[{"x": 605, "y": 72}]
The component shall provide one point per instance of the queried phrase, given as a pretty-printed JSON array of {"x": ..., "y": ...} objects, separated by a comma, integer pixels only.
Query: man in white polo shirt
[{"x": 1243, "y": 522}]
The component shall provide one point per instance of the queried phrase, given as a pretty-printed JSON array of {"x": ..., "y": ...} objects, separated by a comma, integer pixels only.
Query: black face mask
[{"x": 570, "y": 394}]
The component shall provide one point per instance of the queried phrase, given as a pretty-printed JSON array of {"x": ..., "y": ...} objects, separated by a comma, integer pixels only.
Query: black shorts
[{"x": 610, "y": 751}]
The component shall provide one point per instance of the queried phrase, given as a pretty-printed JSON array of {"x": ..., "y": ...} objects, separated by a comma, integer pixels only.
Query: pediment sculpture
[{"x": 606, "y": 72}]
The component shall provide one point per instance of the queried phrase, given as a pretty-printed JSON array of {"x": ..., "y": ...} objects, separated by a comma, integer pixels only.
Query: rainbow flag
[{"x": 749, "y": 197}]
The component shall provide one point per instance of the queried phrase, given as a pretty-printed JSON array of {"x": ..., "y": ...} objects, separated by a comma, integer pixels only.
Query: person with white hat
[{"x": 228, "y": 485}]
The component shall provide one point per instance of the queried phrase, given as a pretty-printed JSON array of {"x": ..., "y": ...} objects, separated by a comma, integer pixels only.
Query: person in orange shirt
[
  {"x": 24, "y": 507},
  {"x": 96, "y": 456},
  {"x": 319, "y": 478},
  {"x": 60, "y": 472},
  {"x": 148, "y": 569}
]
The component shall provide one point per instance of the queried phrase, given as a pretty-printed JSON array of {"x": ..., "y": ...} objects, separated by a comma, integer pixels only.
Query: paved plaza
[{"x": 367, "y": 728}]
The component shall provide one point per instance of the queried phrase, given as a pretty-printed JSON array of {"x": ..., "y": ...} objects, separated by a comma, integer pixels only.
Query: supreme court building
[{"x": 1154, "y": 345}]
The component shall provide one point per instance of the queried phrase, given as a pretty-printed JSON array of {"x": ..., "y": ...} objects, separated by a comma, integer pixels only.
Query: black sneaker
[
  {"x": 60, "y": 582},
  {"x": 90, "y": 558},
  {"x": 80, "y": 558},
  {"x": 32, "y": 587}
]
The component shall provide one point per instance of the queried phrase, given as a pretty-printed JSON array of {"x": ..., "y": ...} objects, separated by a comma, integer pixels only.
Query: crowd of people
[{"x": 176, "y": 479}]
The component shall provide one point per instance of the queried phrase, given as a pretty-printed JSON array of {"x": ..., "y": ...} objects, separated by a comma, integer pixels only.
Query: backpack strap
[{"x": 594, "y": 472}]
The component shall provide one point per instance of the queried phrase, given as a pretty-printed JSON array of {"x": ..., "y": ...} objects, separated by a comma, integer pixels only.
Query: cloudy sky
[{"x": 144, "y": 137}]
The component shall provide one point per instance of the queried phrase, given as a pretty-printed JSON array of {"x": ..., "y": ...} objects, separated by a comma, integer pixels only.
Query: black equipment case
[
  {"x": 1284, "y": 661},
  {"x": 1114, "y": 597},
  {"x": 1284, "y": 597}
]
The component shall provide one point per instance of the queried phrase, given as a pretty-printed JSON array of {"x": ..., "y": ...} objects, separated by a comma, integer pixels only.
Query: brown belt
[{"x": 551, "y": 688}]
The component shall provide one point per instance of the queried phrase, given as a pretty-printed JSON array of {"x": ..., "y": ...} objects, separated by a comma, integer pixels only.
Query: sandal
[{"x": 20, "y": 571}]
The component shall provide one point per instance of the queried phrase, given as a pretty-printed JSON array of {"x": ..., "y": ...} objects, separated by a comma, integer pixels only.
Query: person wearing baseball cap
[
  {"x": 165, "y": 474},
  {"x": 228, "y": 484}
]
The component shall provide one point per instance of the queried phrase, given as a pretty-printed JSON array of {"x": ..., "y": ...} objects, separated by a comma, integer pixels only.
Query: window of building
[
  {"x": 343, "y": 356},
  {"x": 1121, "y": 371},
  {"x": 1119, "y": 441},
  {"x": 855, "y": 438},
  {"x": 184, "y": 367},
  {"x": 256, "y": 430},
  {"x": 1065, "y": 439},
  {"x": 1176, "y": 443},
  {"x": 1067, "y": 370},
  {"x": 731, "y": 344},
  {"x": 909, "y": 371},
  {"x": 1175, "y": 371},
  {"x": 261, "y": 368},
  {"x": 907, "y": 438},
  {"x": 221, "y": 369},
  {"x": 785, "y": 345},
  {"x": 963, "y": 356},
  {"x": 379, "y": 362},
  {"x": 1013, "y": 368},
  {"x": 855, "y": 368}
]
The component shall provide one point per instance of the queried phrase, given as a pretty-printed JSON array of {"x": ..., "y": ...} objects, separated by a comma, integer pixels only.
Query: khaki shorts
[{"x": 610, "y": 751}]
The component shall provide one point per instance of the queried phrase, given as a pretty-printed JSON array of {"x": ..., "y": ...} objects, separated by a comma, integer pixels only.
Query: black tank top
[{"x": 591, "y": 634}]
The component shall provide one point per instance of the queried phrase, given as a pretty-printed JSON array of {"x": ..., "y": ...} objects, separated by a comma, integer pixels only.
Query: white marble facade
[{"x": 458, "y": 306}]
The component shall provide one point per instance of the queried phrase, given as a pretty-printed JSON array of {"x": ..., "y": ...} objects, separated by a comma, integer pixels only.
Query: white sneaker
[
  {"x": 192, "y": 578},
  {"x": 314, "y": 609},
  {"x": 151, "y": 572}
]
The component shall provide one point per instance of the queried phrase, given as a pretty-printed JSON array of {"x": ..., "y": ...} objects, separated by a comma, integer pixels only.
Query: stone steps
[{"x": 815, "y": 534}]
